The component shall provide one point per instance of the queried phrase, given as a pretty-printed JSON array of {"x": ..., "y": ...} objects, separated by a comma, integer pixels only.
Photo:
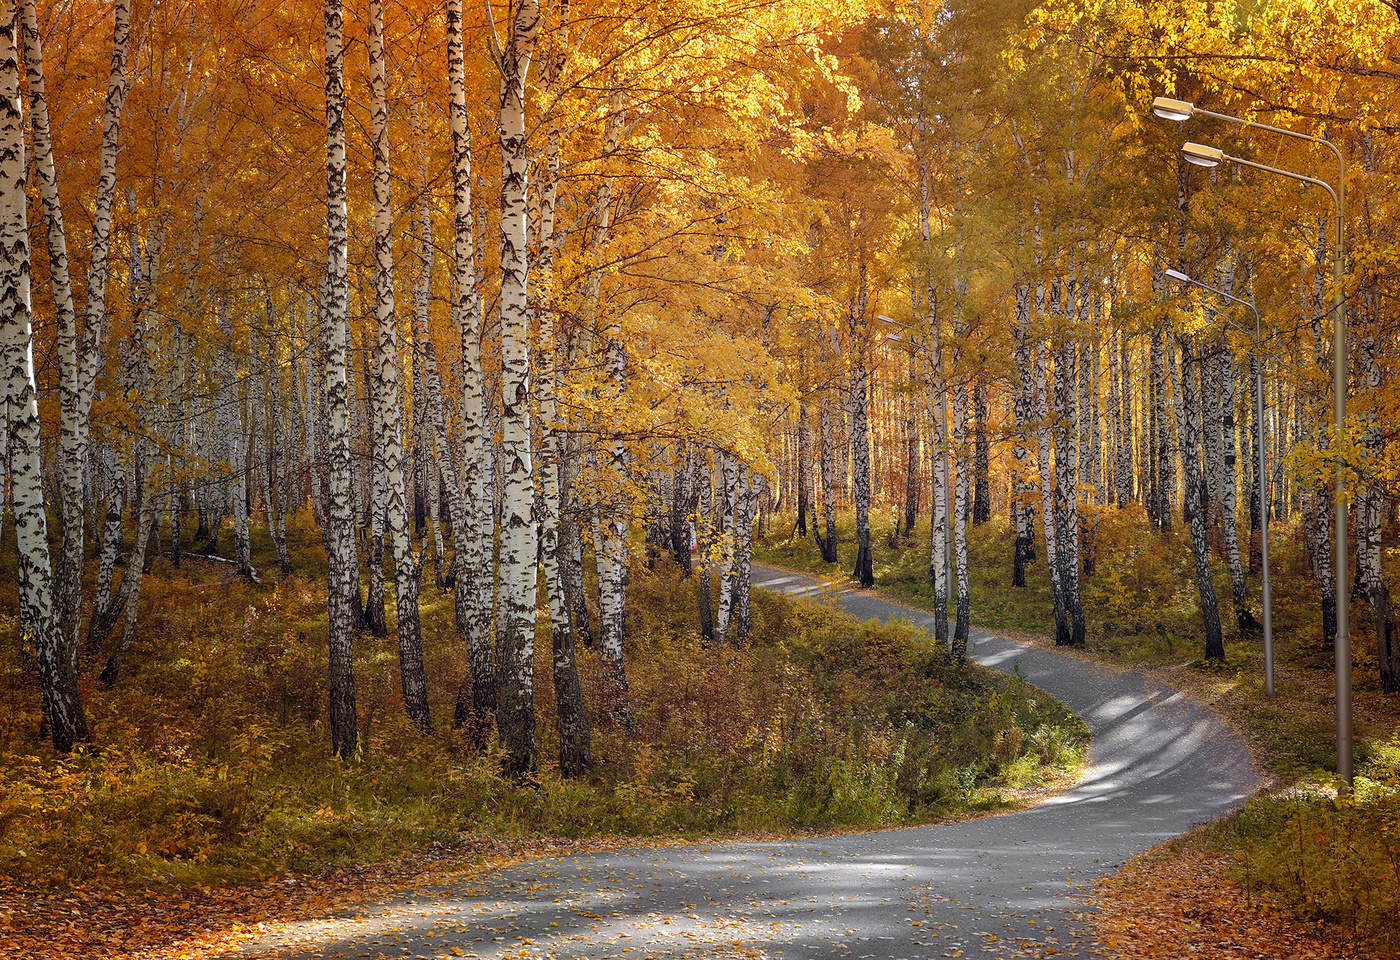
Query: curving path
[{"x": 1159, "y": 764}]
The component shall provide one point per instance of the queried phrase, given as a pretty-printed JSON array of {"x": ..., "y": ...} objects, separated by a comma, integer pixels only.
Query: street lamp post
[
  {"x": 1263, "y": 484},
  {"x": 1206, "y": 156}
]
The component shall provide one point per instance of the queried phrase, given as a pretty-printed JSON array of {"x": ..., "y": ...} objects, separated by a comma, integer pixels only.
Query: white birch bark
[
  {"x": 1047, "y": 489},
  {"x": 474, "y": 574},
  {"x": 612, "y": 520},
  {"x": 515, "y": 717},
  {"x": 827, "y": 541},
  {"x": 58, "y": 680},
  {"x": 388, "y": 394},
  {"x": 343, "y": 575},
  {"x": 575, "y": 736},
  {"x": 860, "y": 436},
  {"x": 1195, "y": 496},
  {"x": 1022, "y": 513},
  {"x": 958, "y": 645},
  {"x": 728, "y": 530}
]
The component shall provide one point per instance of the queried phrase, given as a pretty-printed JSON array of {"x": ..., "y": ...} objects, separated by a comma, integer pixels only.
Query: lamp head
[
  {"x": 1178, "y": 275},
  {"x": 1169, "y": 109},
  {"x": 1202, "y": 155}
]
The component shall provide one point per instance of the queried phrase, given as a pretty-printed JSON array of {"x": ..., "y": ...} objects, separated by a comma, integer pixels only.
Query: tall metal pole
[{"x": 1339, "y": 417}]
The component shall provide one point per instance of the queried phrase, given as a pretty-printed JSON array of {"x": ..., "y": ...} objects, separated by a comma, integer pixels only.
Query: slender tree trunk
[
  {"x": 828, "y": 542},
  {"x": 1124, "y": 450},
  {"x": 1194, "y": 503},
  {"x": 1370, "y": 518},
  {"x": 864, "y": 571},
  {"x": 707, "y": 545},
  {"x": 58, "y": 679},
  {"x": 958, "y": 648},
  {"x": 1069, "y": 629},
  {"x": 727, "y": 509},
  {"x": 911, "y": 463},
  {"x": 78, "y": 359},
  {"x": 1229, "y": 507},
  {"x": 575, "y": 737},
  {"x": 389, "y": 407},
  {"x": 342, "y": 578},
  {"x": 982, "y": 490},
  {"x": 1022, "y": 512},
  {"x": 804, "y": 465},
  {"x": 474, "y": 573},
  {"x": 515, "y": 717},
  {"x": 611, "y": 548},
  {"x": 749, "y": 492},
  {"x": 938, "y": 515}
]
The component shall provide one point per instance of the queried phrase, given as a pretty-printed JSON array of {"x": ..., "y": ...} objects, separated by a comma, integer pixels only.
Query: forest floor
[
  {"x": 207, "y": 805},
  {"x": 1298, "y": 856}
]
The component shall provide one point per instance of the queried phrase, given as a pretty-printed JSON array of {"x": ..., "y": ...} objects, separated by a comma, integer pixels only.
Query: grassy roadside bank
[
  {"x": 207, "y": 800},
  {"x": 1296, "y": 851}
]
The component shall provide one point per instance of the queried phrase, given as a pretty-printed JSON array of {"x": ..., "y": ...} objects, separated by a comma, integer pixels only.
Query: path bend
[{"x": 1158, "y": 765}]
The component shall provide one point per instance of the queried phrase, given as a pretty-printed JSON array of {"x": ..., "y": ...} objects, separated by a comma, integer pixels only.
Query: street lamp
[
  {"x": 1263, "y": 485},
  {"x": 1202, "y": 155}
]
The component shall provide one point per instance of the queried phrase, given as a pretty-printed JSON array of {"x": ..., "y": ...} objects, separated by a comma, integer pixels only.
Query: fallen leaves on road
[{"x": 99, "y": 923}]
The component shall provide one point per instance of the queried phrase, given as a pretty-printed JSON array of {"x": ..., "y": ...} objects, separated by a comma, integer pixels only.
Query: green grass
[
  {"x": 1320, "y": 857},
  {"x": 210, "y": 761}
]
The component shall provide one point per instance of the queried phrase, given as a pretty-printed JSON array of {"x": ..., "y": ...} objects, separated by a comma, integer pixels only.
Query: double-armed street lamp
[
  {"x": 1204, "y": 155},
  {"x": 1262, "y": 486}
]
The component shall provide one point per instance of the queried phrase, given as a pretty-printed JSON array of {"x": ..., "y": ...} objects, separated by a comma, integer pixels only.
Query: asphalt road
[{"x": 1159, "y": 764}]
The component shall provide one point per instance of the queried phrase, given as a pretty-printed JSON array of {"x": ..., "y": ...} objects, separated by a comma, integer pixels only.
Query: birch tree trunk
[
  {"x": 343, "y": 576},
  {"x": 728, "y": 530},
  {"x": 958, "y": 648},
  {"x": 1195, "y": 501},
  {"x": 575, "y": 737},
  {"x": 936, "y": 386},
  {"x": 1022, "y": 513},
  {"x": 515, "y": 717},
  {"x": 74, "y": 399},
  {"x": 58, "y": 679},
  {"x": 611, "y": 547},
  {"x": 474, "y": 574},
  {"x": 1229, "y": 506},
  {"x": 1069, "y": 628},
  {"x": 749, "y": 492},
  {"x": 1369, "y": 521},
  {"x": 982, "y": 489},
  {"x": 828, "y": 471},
  {"x": 707, "y": 545},
  {"x": 388, "y": 401},
  {"x": 1124, "y": 450},
  {"x": 374, "y": 615},
  {"x": 911, "y": 463},
  {"x": 864, "y": 571},
  {"x": 804, "y": 465}
]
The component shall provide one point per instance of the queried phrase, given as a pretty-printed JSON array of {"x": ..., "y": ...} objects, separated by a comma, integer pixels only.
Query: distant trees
[{"x": 712, "y": 266}]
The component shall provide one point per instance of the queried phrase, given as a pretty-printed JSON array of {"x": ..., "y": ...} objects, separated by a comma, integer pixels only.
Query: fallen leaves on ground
[
  {"x": 1178, "y": 901},
  {"x": 107, "y": 923}
]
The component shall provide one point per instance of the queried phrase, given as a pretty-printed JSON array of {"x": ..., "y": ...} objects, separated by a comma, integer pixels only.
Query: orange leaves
[{"x": 1181, "y": 903}]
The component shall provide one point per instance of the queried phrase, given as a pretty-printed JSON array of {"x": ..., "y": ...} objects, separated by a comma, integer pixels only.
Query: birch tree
[
  {"x": 343, "y": 585},
  {"x": 57, "y": 674},
  {"x": 515, "y": 717},
  {"x": 474, "y": 581},
  {"x": 388, "y": 401}
]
